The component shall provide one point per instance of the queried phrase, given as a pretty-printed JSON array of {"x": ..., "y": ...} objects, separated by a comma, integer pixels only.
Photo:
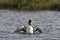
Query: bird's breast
[{"x": 29, "y": 29}]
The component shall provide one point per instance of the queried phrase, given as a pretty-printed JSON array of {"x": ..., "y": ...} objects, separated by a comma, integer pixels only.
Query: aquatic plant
[{"x": 31, "y": 4}]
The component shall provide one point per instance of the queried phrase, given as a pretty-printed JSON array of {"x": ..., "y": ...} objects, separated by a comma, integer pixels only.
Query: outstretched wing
[
  {"x": 23, "y": 28},
  {"x": 37, "y": 29}
]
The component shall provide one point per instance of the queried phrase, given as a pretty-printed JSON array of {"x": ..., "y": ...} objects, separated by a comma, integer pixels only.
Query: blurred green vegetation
[{"x": 30, "y": 4}]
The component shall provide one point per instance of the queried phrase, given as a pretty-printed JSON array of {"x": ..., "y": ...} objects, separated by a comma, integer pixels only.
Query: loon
[{"x": 28, "y": 29}]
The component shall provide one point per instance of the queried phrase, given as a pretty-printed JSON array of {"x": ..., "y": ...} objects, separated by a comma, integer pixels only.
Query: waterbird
[{"x": 28, "y": 29}]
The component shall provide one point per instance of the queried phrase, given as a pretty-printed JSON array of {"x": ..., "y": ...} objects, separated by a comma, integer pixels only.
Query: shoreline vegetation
[{"x": 30, "y": 4}]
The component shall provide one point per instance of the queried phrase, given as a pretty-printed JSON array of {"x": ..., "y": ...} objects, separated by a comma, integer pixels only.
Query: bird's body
[{"x": 29, "y": 29}]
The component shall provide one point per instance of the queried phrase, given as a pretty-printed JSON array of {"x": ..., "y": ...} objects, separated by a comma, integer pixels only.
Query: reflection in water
[{"x": 48, "y": 21}]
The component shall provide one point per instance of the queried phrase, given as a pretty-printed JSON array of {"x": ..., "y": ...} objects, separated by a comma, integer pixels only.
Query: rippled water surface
[{"x": 48, "y": 21}]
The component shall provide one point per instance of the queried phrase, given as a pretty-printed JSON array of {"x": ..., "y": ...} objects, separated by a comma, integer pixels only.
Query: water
[{"x": 48, "y": 21}]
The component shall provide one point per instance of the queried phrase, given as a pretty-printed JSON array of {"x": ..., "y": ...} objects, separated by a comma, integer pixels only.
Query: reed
[{"x": 31, "y": 4}]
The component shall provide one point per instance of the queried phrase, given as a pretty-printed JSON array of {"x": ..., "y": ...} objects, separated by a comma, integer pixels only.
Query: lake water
[{"x": 48, "y": 21}]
